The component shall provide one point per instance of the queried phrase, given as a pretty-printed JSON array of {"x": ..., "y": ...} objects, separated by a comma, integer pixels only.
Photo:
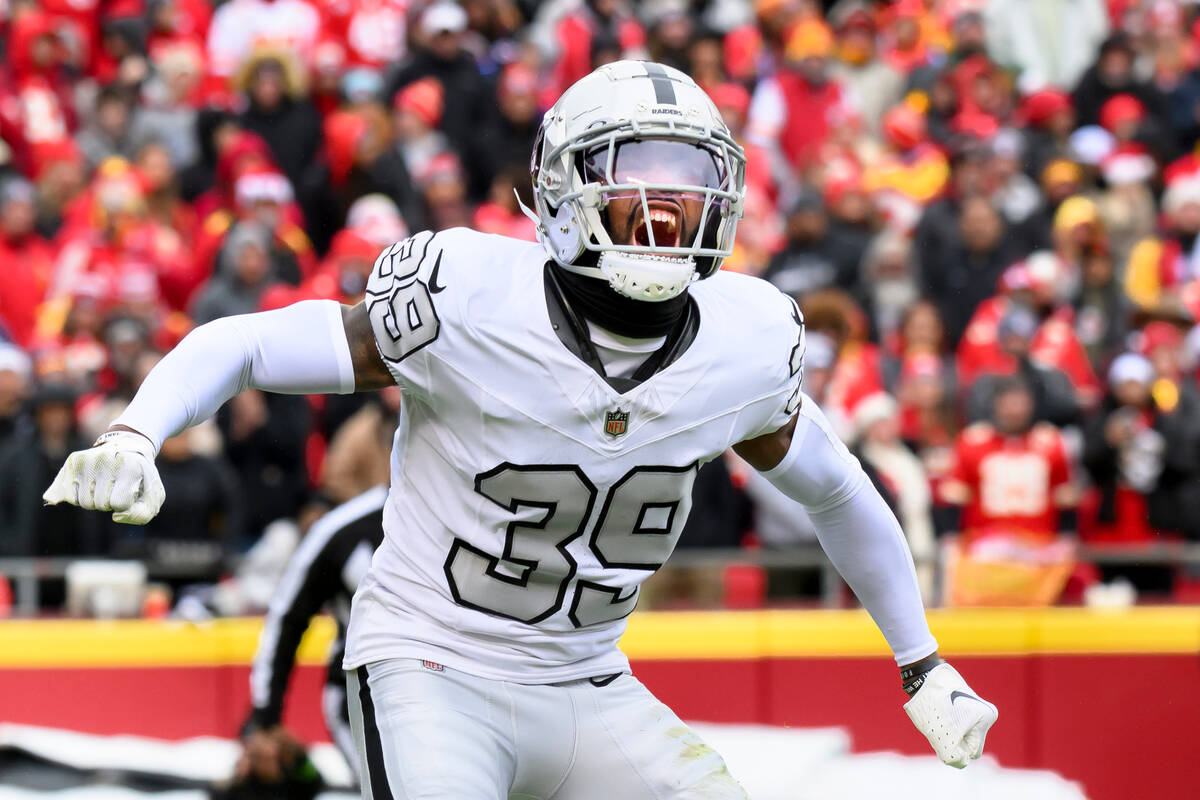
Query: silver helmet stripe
[{"x": 664, "y": 87}]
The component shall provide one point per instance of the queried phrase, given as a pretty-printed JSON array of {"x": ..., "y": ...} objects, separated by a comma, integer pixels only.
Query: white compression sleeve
[
  {"x": 300, "y": 349},
  {"x": 857, "y": 530}
]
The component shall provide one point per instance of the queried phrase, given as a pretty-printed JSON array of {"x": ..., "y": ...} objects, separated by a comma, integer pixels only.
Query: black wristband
[{"x": 913, "y": 675}]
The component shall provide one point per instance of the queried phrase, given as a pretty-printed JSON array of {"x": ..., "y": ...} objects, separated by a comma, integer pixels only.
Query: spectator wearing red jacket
[
  {"x": 35, "y": 90},
  {"x": 791, "y": 113},
  {"x": 108, "y": 233},
  {"x": 26, "y": 262}
]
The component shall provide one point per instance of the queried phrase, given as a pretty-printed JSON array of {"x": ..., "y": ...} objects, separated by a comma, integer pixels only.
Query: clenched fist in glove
[
  {"x": 116, "y": 474},
  {"x": 952, "y": 716}
]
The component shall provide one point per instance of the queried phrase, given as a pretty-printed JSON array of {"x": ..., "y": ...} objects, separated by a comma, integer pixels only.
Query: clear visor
[
  {"x": 659, "y": 196},
  {"x": 662, "y": 189},
  {"x": 656, "y": 162}
]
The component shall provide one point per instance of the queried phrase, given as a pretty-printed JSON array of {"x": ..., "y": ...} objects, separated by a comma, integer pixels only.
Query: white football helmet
[{"x": 645, "y": 134}]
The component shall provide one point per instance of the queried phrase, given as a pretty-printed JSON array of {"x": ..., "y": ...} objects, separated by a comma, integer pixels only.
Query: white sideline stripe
[
  {"x": 98, "y": 793},
  {"x": 293, "y": 578},
  {"x": 121, "y": 793},
  {"x": 772, "y": 763}
]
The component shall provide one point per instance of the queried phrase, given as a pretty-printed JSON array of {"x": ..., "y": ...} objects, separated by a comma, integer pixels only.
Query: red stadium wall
[{"x": 1110, "y": 699}]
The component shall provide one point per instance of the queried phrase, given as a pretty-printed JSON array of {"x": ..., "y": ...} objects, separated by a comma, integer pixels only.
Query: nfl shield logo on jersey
[{"x": 616, "y": 422}]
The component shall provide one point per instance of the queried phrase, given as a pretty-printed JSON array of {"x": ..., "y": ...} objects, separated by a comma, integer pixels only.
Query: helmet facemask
[{"x": 657, "y": 204}]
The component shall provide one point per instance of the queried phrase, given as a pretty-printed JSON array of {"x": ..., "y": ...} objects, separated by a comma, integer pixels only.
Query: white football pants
[{"x": 433, "y": 733}]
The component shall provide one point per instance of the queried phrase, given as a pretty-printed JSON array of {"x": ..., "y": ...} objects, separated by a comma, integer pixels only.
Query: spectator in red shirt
[
  {"x": 35, "y": 89},
  {"x": 109, "y": 233},
  {"x": 26, "y": 262},
  {"x": 914, "y": 36},
  {"x": 1011, "y": 476},
  {"x": 792, "y": 112}
]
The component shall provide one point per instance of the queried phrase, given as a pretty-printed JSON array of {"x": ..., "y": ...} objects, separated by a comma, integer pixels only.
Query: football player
[{"x": 559, "y": 398}]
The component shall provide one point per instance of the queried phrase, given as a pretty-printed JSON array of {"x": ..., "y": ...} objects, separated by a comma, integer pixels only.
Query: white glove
[
  {"x": 116, "y": 474},
  {"x": 952, "y": 716}
]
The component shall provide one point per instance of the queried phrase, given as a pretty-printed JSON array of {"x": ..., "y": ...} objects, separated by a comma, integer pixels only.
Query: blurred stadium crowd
[{"x": 988, "y": 209}]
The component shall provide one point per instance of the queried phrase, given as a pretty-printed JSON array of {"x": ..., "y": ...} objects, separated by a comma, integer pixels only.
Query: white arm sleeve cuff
[
  {"x": 857, "y": 530},
  {"x": 300, "y": 349}
]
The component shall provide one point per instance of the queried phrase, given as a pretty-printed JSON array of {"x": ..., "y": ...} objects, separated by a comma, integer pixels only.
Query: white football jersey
[{"x": 529, "y": 498}]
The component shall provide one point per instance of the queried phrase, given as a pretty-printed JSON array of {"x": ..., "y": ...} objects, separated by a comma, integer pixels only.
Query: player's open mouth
[{"x": 664, "y": 223}]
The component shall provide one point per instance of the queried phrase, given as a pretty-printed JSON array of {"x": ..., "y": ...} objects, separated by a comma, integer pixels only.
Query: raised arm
[
  {"x": 807, "y": 462},
  {"x": 313, "y": 347}
]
